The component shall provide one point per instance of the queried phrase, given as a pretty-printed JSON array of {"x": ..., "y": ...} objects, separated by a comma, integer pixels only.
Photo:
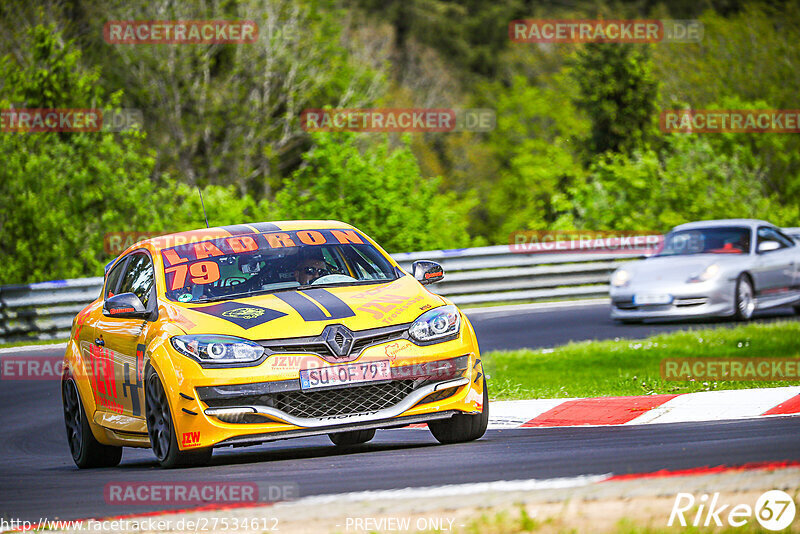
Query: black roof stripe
[
  {"x": 254, "y": 228},
  {"x": 238, "y": 229},
  {"x": 265, "y": 226}
]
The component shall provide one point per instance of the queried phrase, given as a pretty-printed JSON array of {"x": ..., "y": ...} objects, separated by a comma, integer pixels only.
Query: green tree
[
  {"x": 61, "y": 192},
  {"x": 691, "y": 180},
  {"x": 618, "y": 91},
  {"x": 377, "y": 188}
]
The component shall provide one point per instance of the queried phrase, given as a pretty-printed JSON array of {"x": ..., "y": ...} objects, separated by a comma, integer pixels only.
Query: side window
[
  {"x": 769, "y": 234},
  {"x": 139, "y": 277},
  {"x": 788, "y": 241},
  {"x": 112, "y": 280}
]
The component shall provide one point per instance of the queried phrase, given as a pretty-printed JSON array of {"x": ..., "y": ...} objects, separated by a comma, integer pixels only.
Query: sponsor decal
[
  {"x": 244, "y": 313},
  {"x": 386, "y": 308},
  {"x": 178, "y": 318},
  {"x": 347, "y": 416},
  {"x": 190, "y": 439},
  {"x": 243, "y": 316},
  {"x": 393, "y": 349}
]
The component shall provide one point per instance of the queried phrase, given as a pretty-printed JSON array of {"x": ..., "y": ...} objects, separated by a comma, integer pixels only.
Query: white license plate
[
  {"x": 645, "y": 300},
  {"x": 350, "y": 373}
]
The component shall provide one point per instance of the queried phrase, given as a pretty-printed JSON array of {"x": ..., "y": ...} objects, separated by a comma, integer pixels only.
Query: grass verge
[
  {"x": 628, "y": 367},
  {"x": 33, "y": 342}
]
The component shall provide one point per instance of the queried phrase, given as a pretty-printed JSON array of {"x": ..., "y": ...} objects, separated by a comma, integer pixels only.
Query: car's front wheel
[
  {"x": 161, "y": 429},
  {"x": 745, "y": 303},
  {"x": 86, "y": 450},
  {"x": 463, "y": 427},
  {"x": 352, "y": 437}
]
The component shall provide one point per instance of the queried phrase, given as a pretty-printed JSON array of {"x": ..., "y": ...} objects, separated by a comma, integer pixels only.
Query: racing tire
[
  {"x": 161, "y": 429},
  {"x": 796, "y": 308},
  {"x": 352, "y": 437},
  {"x": 744, "y": 301},
  {"x": 462, "y": 427},
  {"x": 86, "y": 451}
]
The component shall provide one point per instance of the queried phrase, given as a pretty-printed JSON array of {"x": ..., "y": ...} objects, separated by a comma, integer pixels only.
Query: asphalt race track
[
  {"x": 549, "y": 327},
  {"x": 39, "y": 480}
]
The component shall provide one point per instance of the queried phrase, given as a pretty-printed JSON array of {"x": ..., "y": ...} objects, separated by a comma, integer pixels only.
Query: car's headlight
[
  {"x": 620, "y": 278},
  {"x": 218, "y": 349},
  {"x": 710, "y": 272},
  {"x": 438, "y": 323}
]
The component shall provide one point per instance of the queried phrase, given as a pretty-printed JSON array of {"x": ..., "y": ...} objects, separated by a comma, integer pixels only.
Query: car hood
[
  {"x": 303, "y": 313},
  {"x": 677, "y": 268}
]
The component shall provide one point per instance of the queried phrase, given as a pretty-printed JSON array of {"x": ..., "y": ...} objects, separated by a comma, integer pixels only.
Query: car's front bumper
[
  {"x": 704, "y": 299},
  {"x": 218, "y": 407}
]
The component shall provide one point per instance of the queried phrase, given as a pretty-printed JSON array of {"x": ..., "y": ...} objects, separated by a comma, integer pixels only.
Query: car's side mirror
[
  {"x": 125, "y": 305},
  {"x": 768, "y": 246},
  {"x": 427, "y": 272}
]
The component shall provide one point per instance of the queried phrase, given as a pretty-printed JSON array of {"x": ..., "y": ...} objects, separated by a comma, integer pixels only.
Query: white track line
[
  {"x": 453, "y": 490},
  {"x": 32, "y": 348},
  {"x": 717, "y": 405},
  {"x": 536, "y": 306}
]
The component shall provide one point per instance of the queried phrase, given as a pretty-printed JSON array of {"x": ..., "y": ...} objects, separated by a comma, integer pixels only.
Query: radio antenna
[{"x": 203, "y": 204}]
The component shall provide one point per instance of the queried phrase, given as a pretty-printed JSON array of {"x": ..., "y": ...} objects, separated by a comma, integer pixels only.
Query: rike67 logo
[{"x": 774, "y": 510}]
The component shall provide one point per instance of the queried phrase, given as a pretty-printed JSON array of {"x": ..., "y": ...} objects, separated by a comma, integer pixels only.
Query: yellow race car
[{"x": 257, "y": 332}]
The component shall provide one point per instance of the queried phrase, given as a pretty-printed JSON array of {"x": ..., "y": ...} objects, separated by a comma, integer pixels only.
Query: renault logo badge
[{"x": 339, "y": 339}]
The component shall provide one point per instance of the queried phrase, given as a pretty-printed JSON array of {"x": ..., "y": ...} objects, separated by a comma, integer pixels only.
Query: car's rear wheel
[
  {"x": 161, "y": 429},
  {"x": 85, "y": 449},
  {"x": 352, "y": 437},
  {"x": 796, "y": 309},
  {"x": 463, "y": 427},
  {"x": 745, "y": 301}
]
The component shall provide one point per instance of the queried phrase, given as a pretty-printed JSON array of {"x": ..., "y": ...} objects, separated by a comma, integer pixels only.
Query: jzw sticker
[{"x": 190, "y": 439}]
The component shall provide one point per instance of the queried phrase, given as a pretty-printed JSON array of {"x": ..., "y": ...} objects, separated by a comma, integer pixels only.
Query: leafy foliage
[
  {"x": 378, "y": 189},
  {"x": 575, "y": 145}
]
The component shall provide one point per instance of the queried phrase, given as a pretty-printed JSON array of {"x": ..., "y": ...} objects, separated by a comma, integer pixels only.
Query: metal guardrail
[{"x": 472, "y": 276}]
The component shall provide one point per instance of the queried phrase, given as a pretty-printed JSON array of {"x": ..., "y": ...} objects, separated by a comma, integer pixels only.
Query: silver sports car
[{"x": 723, "y": 268}]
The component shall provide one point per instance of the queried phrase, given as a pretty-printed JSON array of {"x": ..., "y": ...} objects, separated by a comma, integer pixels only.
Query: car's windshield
[
  {"x": 239, "y": 266},
  {"x": 720, "y": 240}
]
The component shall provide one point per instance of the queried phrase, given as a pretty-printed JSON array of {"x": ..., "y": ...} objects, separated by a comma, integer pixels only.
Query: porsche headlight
[
  {"x": 620, "y": 278},
  {"x": 710, "y": 272},
  {"x": 218, "y": 349},
  {"x": 437, "y": 323}
]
